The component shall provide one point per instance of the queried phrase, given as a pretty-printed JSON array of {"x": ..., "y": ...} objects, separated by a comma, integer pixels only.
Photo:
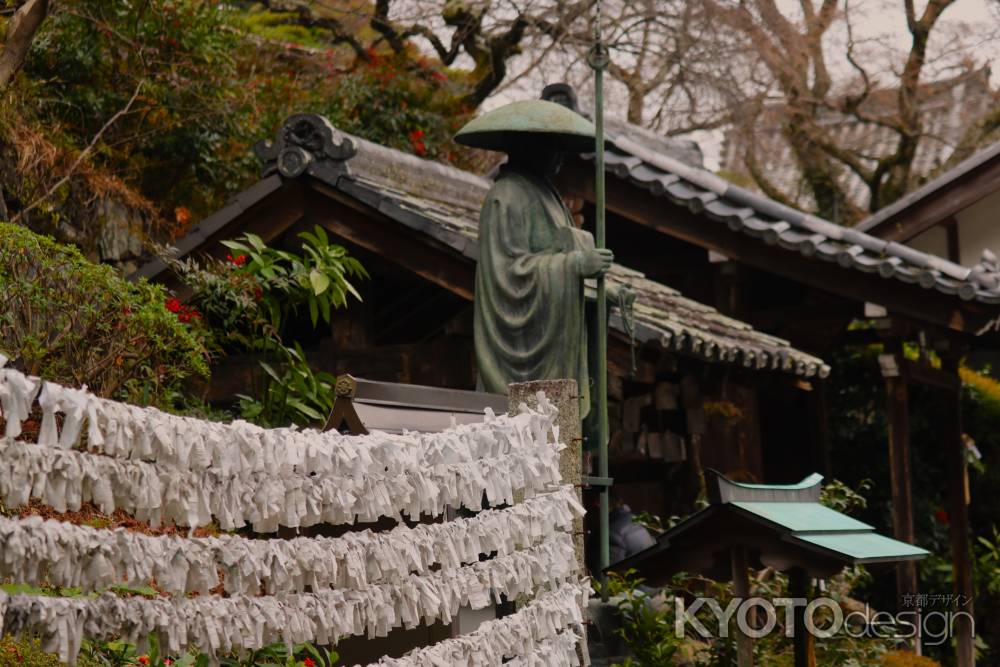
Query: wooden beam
[
  {"x": 925, "y": 374},
  {"x": 269, "y": 218},
  {"x": 898, "y": 419},
  {"x": 644, "y": 208},
  {"x": 418, "y": 253},
  {"x": 958, "y": 524},
  {"x": 945, "y": 202}
]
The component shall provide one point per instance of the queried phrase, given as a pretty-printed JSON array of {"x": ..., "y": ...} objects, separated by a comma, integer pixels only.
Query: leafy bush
[
  {"x": 24, "y": 653},
  {"x": 907, "y": 659},
  {"x": 91, "y": 56},
  {"x": 77, "y": 323},
  {"x": 122, "y": 654},
  {"x": 249, "y": 301}
]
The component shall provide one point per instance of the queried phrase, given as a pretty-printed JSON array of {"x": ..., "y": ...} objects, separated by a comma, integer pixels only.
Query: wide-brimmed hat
[{"x": 508, "y": 126}]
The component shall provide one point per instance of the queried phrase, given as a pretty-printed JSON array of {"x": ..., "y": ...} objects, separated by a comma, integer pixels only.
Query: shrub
[
  {"x": 907, "y": 659},
  {"x": 24, "y": 653},
  {"x": 76, "y": 323},
  {"x": 249, "y": 304}
]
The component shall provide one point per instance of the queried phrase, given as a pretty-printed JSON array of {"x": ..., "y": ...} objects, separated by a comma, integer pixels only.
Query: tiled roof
[
  {"x": 443, "y": 202},
  {"x": 769, "y": 222},
  {"x": 970, "y": 164}
]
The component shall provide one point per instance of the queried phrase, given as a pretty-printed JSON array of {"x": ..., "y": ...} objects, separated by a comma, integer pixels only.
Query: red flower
[
  {"x": 258, "y": 294},
  {"x": 941, "y": 516},
  {"x": 239, "y": 260},
  {"x": 144, "y": 659},
  {"x": 126, "y": 311},
  {"x": 184, "y": 317},
  {"x": 173, "y": 305},
  {"x": 168, "y": 662},
  {"x": 309, "y": 662},
  {"x": 419, "y": 147}
]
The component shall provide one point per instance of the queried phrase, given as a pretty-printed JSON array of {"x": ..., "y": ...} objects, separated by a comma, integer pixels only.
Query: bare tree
[
  {"x": 460, "y": 33},
  {"x": 802, "y": 94},
  {"x": 760, "y": 68},
  {"x": 21, "y": 29}
]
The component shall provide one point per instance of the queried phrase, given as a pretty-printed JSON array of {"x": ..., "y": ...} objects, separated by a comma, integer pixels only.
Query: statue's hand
[{"x": 595, "y": 262}]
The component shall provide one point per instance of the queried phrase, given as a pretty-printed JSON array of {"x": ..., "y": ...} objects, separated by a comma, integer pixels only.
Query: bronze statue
[{"x": 529, "y": 306}]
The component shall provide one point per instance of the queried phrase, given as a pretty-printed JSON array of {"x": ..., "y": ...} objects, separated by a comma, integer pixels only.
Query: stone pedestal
[{"x": 564, "y": 396}]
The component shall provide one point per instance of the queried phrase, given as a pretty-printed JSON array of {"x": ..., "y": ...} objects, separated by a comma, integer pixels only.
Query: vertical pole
[
  {"x": 804, "y": 642},
  {"x": 898, "y": 418},
  {"x": 599, "y": 63},
  {"x": 741, "y": 589},
  {"x": 958, "y": 524}
]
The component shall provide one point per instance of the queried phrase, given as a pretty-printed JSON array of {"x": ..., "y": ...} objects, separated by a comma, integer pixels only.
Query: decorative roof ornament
[
  {"x": 987, "y": 271},
  {"x": 307, "y": 143}
]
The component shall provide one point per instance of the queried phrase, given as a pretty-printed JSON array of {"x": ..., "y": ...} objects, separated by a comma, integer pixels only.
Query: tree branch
[
  {"x": 82, "y": 156},
  {"x": 20, "y": 34}
]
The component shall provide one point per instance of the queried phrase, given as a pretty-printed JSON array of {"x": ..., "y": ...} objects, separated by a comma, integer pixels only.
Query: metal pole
[{"x": 599, "y": 62}]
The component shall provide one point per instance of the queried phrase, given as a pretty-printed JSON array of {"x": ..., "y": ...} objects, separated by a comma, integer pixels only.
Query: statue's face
[
  {"x": 542, "y": 157},
  {"x": 556, "y": 160}
]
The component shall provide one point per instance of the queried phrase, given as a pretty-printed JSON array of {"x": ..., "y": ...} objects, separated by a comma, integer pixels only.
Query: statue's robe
[{"x": 529, "y": 307}]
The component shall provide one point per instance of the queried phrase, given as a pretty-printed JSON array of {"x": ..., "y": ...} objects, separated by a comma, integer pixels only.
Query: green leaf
[
  {"x": 255, "y": 241},
  {"x": 313, "y": 310},
  {"x": 304, "y": 409},
  {"x": 236, "y": 245},
  {"x": 324, "y": 309},
  {"x": 319, "y": 281},
  {"x": 270, "y": 371}
]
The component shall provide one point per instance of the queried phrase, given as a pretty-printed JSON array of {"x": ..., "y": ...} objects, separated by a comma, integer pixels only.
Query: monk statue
[{"x": 530, "y": 321}]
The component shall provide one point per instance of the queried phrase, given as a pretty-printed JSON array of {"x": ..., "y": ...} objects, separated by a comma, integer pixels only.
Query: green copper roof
[
  {"x": 813, "y": 525},
  {"x": 862, "y": 547},
  {"x": 779, "y": 523},
  {"x": 803, "y": 516},
  {"x": 502, "y": 128}
]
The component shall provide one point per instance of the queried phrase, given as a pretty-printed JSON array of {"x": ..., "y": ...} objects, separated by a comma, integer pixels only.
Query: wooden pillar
[
  {"x": 741, "y": 589},
  {"x": 958, "y": 525},
  {"x": 821, "y": 428},
  {"x": 804, "y": 642},
  {"x": 898, "y": 422}
]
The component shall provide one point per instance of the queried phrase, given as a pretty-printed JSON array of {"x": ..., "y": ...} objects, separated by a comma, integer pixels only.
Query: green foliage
[
  {"x": 93, "y": 54},
  {"x": 648, "y": 629},
  {"x": 858, "y": 450},
  {"x": 987, "y": 565},
  {"x": 249, "y": 302},
  {"x": 840, "y": 497},
  {"x": 23, "y": 652},
  {"x": 317, "y": 280},
  {"x": 296, "y": 395},
  {"x": 649, "y": 624},
  {"x": 278, "y": 654},
  {"x": 121, "y": 654},
  {"x": 212, "y": 80},
  {"x": 73, "y": 322}
]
